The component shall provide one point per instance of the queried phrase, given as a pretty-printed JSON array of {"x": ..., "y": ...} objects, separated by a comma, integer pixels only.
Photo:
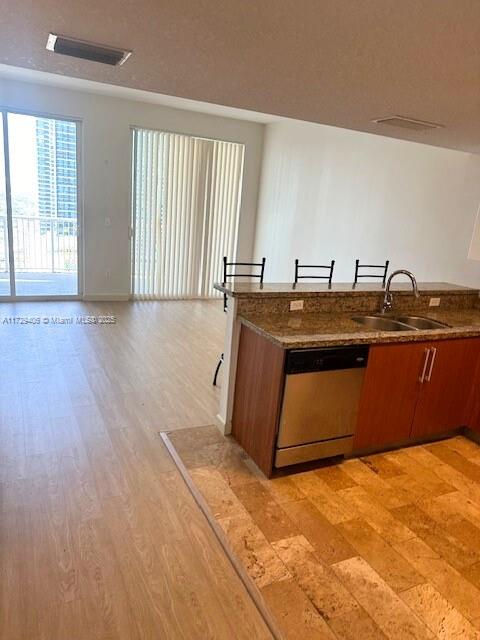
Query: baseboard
[
  {"x": 106, "y": 298},
  {"x": 224, "y": 427}
]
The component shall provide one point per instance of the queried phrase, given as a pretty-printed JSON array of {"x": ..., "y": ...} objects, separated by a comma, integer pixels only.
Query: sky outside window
[{"x": 23, "y": 164}]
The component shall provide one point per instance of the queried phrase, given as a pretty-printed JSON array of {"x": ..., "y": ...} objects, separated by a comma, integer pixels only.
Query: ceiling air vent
[
  {"x": 407, "y": 123},
  {"x": 87, "y": 50}
]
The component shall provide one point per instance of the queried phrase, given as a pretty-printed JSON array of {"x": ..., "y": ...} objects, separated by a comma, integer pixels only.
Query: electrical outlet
[
  {"x": 434, "y": 302},
  {"x": 296, "y": 305}
]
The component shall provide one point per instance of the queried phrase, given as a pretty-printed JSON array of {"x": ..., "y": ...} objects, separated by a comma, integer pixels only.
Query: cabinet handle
[
  {"x": 424, "y": 370},
  {"x": 429, "y": 375}
]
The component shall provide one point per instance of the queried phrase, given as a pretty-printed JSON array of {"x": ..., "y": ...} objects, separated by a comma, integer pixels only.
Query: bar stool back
[
  {"x": 233, "y": 274},
  {"x": 382, "y": 274},
  {"x": 229, "y": 273},
  {"x": 327, "y": 271}
]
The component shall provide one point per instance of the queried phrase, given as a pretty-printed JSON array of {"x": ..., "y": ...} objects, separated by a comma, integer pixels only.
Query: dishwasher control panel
[{"x": 326, "y": 359}]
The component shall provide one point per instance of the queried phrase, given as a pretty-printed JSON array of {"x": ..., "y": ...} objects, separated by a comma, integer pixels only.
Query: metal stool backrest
[
  {"x": 327, "y": 276},
  {"x": 229, "y": 273},
  {"x": 382, "y": 275}
]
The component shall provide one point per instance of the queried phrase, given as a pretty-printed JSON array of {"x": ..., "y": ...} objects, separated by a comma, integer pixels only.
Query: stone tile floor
[{"x": 386, "y": 546}]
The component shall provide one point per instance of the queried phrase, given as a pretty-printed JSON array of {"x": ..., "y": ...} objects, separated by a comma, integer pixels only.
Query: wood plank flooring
[
  {"x": 380, "y": 547},
  {"x": 99, "y": 536}
]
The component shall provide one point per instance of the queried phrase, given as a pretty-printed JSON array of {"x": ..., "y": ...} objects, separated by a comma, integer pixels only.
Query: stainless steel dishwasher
[{"x": 320, "y": 403}]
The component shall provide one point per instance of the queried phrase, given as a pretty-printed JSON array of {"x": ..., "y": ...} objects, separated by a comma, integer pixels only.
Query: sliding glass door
[
  {"x": 4, "y": 243},
  {"x": 186, "y": 201},
  {"x": 39, "y": 202}
]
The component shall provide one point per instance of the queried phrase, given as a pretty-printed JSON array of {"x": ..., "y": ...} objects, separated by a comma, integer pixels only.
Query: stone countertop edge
[
  {"x": 297, "y": 341},
  {"x": 306, "y": 290}
]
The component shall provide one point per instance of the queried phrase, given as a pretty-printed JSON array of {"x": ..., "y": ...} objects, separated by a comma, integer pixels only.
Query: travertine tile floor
[{"x": 386, "y": 546}]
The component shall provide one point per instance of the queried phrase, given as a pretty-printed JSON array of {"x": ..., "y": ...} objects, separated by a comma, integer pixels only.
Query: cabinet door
[
  {"x": 444, "y": 397},
  {"x": 389, "y": 394},
  {"x": 474, "y": 408}
]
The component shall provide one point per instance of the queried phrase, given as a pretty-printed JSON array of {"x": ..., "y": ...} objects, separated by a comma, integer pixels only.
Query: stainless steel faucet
[{"x": 388, "y": 297}]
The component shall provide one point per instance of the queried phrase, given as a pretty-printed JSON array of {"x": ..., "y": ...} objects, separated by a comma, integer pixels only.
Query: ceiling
[
  {"x": 22, "y": 74},
  {"x": 337, "y": 62}
]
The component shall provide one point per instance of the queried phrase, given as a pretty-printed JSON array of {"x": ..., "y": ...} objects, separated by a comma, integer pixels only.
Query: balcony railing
[{"x": 40, "y": 244}]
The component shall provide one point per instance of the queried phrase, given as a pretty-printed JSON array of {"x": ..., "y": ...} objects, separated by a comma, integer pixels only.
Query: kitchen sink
[
  {"x": 383, "y": 324},
  {"x": 398, "y": 323},
  {"x": 421, "y": 323}
]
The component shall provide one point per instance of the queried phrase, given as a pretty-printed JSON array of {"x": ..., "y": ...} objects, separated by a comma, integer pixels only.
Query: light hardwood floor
[
  {"x": 386, "y": 546},
  {"x": 99, "y": 536}
]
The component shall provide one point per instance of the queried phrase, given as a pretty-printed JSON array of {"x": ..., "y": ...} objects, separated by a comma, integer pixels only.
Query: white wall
[
  {"x": 331, "y": 193},
  {"x": 106, "y": 155}
]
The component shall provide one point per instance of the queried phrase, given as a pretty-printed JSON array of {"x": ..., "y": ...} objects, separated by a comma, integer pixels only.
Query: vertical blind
[{"x": 186, "y": 201}]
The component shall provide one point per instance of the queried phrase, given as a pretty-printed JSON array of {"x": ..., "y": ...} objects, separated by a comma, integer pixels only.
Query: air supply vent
[
  {"x": 87, "y": 50},
  {"x": 407, "y": 123}
]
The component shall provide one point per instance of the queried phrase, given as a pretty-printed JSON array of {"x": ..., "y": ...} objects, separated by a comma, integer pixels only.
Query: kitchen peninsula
[{"x": 405, "y": 382}]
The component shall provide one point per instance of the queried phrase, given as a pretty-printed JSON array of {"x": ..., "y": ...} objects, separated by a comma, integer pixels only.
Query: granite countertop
[
  {"x": 304, "y": 330},
  {"x": 306, "y": 289}
]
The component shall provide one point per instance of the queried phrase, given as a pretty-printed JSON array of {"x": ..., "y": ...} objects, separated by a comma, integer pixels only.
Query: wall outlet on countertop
[
  {"x": 296, "y": 305},
  {"x": 434, "y": 302}
]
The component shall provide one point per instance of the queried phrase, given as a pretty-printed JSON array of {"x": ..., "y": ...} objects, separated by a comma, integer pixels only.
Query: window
[{"x": 186, "y": 201}]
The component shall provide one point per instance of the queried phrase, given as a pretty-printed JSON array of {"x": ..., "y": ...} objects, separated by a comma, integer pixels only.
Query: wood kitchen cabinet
[
  {"x": 443, "y": 402},
  {"x": 416, "y": 390},
  {"x": 389, "y": 394},
  {"x": 411, "y": 391},
  {"x": 258, "y": 397},
  {"x": 474, "y": 404}
]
